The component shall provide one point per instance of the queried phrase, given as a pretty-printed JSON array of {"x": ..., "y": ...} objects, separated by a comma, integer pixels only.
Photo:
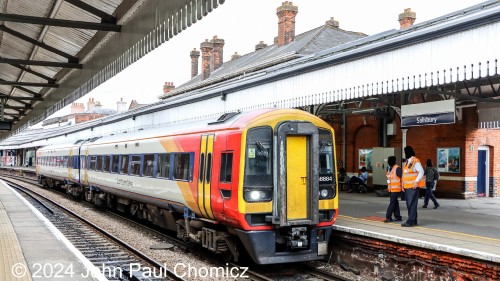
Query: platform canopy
[{"x": 52, "y": 52}]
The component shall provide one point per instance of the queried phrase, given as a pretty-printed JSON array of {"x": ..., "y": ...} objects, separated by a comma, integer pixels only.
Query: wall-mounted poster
[
  {"x": 448, "y": 159},
  {"x": 365, "y": 158}
]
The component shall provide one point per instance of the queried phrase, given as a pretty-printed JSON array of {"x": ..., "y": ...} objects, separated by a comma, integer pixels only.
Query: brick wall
[{"x": 362, "y": 132}]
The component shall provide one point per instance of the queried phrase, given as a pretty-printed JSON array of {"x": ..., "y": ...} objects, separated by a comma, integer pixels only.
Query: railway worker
[
  {"x": 394, "y": 175},
  {"x": 413, "y": 180}
]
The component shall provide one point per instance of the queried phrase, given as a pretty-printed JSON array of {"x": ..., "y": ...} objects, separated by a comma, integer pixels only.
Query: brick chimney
[
  {"x": 261, "y": 45},
  {"x": 194, "y": 62},
  {"x": 206, "y": 56},
  {"x": 168, "y": 87},
  {"x": 218, "y": 52},
  {"x": 286, "y": 22},
  {"x": 406, "y": 19},
  {"x": 235, "y": 56},
  {"x": 77, "y": 107},
  {"x": 90, "y": 104},
  {"x": 332, "y": 23}
]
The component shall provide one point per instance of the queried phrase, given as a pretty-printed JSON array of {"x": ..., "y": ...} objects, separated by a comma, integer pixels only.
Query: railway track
[
  {"x": 116, "y": 259},
  {"x": 301, "y": 271}
]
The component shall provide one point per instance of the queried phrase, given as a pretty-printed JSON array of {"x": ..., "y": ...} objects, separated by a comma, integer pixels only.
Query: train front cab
[{"x": 289, "y": 203}]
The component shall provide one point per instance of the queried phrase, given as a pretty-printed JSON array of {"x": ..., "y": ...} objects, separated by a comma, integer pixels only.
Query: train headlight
[
  {"x": 255, "y": 195},
  {"x": 325, "y": 193}
]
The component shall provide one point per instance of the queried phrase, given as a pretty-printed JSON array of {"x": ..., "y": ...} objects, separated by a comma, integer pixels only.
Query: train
[{"x": 261, "y": 182}]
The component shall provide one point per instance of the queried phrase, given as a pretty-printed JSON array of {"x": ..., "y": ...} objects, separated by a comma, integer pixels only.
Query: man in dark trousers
[
  {"x": 413, "y": 180},
  {"x": 394, "y": 175}
]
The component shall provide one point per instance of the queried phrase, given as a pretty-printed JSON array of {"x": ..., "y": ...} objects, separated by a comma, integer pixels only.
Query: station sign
[{"x": 429, "y": 113}]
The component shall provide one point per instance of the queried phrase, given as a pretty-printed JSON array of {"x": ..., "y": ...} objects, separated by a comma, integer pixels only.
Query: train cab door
[
  {"x": 296, "y": 197},
  {"x": 205, "y": 175}
]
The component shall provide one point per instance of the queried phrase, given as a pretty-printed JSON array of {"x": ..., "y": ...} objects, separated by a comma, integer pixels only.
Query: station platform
[
  {"x": 469, "y": 228},
  {"x": 31, "y": 248}
]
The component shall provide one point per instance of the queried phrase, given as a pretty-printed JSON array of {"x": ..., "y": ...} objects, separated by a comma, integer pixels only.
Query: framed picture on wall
[
  {"x": 448, "y": 159},
  {"x": 365, "y": 158}
]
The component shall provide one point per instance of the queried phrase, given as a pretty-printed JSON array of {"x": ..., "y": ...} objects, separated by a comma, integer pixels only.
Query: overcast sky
[{"x": 242, "y": 24}]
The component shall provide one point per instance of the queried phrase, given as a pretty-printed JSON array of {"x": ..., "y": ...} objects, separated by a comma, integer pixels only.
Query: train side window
[
  {"x": 105, "y": 166},
  {"x": 209, "y": 168},
  {"x": 75, "y": 162},
  {"x": 202, "y": 167},
  {"x": 83, "y": 161},
  {"x": 98, "y": 163},
  {"x": 92, "y": 162},
  {"x": 163, "y": 165},
  {"x": 124, "y": 166},
  {"x": 149, "y": 160},
  {"x": 182, "y": 166},
  {"x": 326, "y": 164},
  {"x": 135, "y": 165},
  {"x": 115, "y": 163},
  {"x": 226, "y": 167}
]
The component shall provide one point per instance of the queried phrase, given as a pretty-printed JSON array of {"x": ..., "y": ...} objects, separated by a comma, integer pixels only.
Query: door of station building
[{"x": 482, "y": 171}]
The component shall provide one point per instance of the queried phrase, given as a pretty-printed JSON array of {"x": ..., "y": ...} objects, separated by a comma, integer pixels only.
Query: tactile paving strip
[{"x": 10, "y": 249}]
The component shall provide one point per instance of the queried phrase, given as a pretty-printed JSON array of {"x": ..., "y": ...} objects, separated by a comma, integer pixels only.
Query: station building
[
  {"x": 463, "y": 150},
  {"x": 365, "y": 87}
]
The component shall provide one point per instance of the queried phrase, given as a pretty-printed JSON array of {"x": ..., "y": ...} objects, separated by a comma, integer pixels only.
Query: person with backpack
[{"x": 431, "y": 178}]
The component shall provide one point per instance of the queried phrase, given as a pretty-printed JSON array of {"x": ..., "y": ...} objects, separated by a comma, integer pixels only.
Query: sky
[{"x": 243, "y": 24}]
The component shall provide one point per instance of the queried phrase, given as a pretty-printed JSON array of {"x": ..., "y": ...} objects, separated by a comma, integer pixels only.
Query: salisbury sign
[{"x": 430, "y": 113}]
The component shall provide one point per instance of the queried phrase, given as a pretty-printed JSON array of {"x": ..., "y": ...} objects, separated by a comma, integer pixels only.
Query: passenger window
[
  {"x": 107, "y": 160},
  {"x": 98, "y": 164},
  {"x": 226, "y": 167},
  {"x": 124, "y": 167},
  {"x": 83, "y": 162},
  {"x": 148, "y": 165},
  {"x": 75, "y": 162},
  {"x": 181, "y": 166},
  {"x": 115, "y": 163},
  {"x": 202, "y": 167},
  {"x": 92, "y": 162},
  {"x": 163, "y": 165},
  {"x": 135, "y": 165},
  {"x": 209, "y": 167}
]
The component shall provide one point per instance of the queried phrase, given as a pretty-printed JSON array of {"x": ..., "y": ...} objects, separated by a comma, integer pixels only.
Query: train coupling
[{"x": 297, "y": 238}]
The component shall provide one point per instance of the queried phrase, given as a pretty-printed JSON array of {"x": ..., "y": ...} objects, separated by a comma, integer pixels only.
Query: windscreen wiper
[{"x": 262, "y": 149}]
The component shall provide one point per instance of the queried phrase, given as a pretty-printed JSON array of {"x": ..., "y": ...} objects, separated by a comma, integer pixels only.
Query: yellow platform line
[
  {"x": 426, "y": 228},
  {"x": 10, "y": 250}
]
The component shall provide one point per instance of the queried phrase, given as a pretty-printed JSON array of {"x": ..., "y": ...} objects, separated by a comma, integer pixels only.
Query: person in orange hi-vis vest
[
  {"x": 394, "y": 175},
  {"x": 413, "y": 180}
]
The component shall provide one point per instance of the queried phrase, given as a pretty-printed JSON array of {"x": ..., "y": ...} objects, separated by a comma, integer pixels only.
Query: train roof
[{"x": 228, "y": 121}]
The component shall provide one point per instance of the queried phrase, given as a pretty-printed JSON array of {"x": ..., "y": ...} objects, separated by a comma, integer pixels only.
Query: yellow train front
[{"x": 287, "y": 197}]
